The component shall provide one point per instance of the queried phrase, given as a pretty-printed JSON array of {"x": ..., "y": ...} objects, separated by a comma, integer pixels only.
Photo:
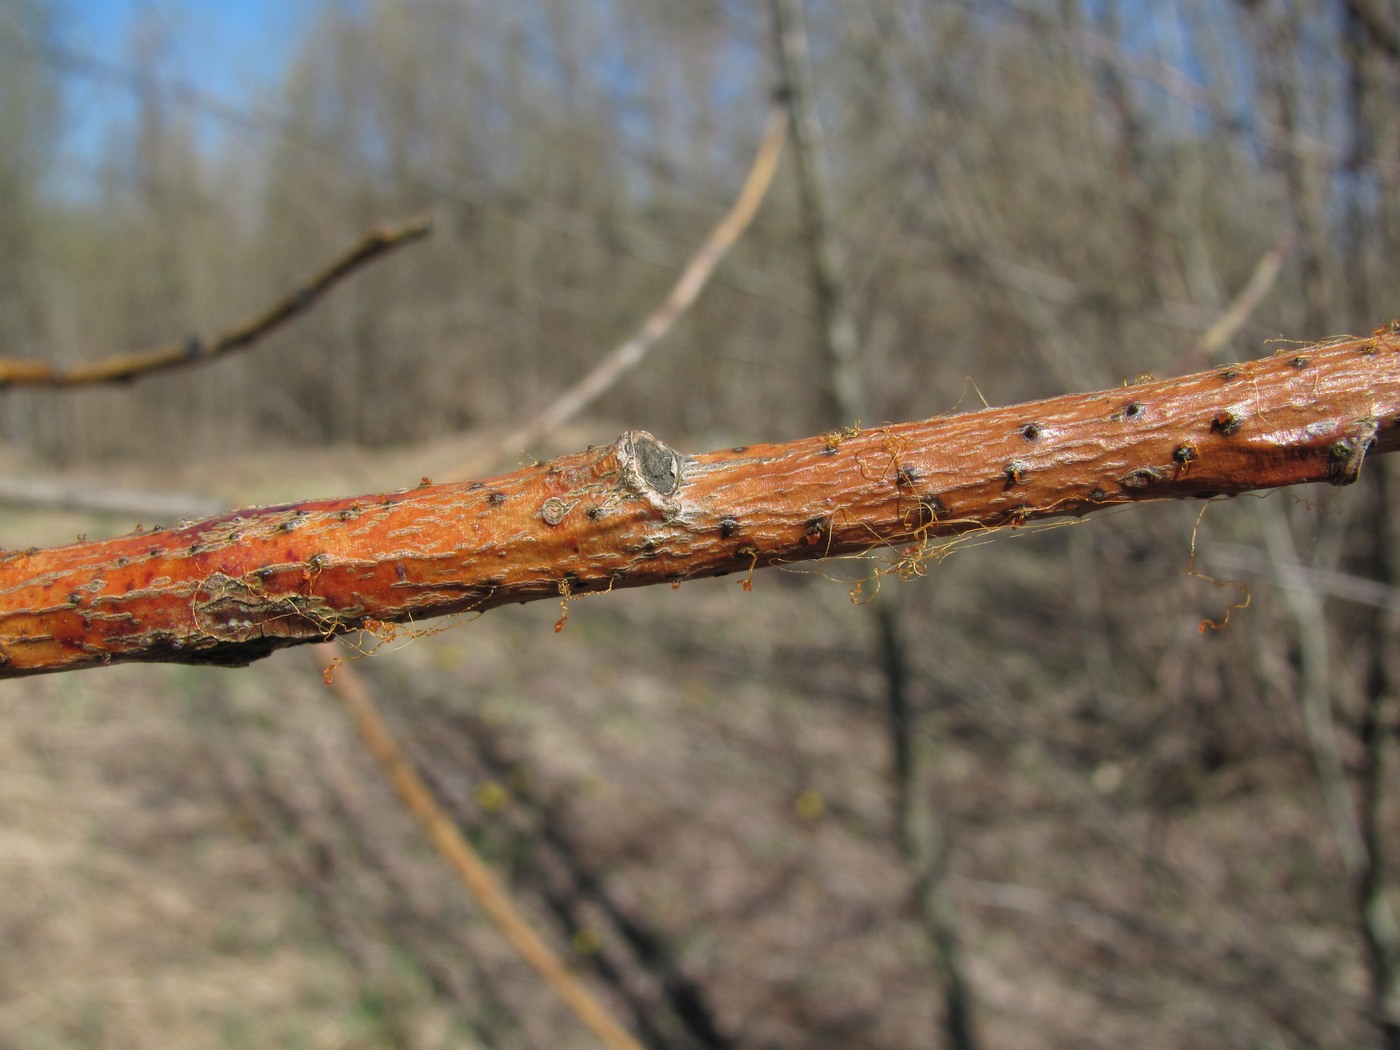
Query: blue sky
[
  {"x": 232, "y": 52},
  {"x": 222, "y": 47}
]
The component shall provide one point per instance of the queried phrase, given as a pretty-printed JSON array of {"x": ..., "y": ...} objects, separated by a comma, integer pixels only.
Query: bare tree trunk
[{"x": 919, "y": 828}]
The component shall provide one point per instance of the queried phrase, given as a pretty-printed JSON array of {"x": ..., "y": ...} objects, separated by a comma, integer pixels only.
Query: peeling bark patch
[
  {"x": 658, "y": 464},
  {"x": 1143, "y": 477}
]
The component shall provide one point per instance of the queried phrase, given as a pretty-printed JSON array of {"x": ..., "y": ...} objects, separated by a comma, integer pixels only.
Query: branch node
[{"x": 1349, "y": 452}]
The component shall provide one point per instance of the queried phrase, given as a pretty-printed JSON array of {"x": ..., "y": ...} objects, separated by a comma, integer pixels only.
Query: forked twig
[
  {"x": 195, "y": 350},
  {"x": 465, "y": 861},
  {"x": 683, "y": 293}
]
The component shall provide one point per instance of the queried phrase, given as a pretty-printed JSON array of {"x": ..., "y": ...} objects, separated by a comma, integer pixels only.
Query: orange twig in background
[{"x": 470, "y": 868}]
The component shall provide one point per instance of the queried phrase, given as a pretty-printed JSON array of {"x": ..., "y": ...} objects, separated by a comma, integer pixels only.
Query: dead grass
[{"x": 690, "y": 788}]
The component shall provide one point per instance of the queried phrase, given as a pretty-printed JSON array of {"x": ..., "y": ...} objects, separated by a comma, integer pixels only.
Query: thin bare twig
[
  {"x": 196, "y": 350},
  {"x": 465, "y": 861},
  {"x": 630, "y": 353},
  {"x": 1232, "y": 319}
]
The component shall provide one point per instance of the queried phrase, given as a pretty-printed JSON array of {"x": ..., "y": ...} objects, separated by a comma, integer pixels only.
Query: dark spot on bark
[
  {"x": 1226, "y": 423},
  {"x": 728, "y": 527},
  {"x": 933, "y": 508},
  {"x": 1228, "y": 373},
  {"x": 1299, "y": 362},
  {"x": 1098, "y": 495},
  {"x": 596, "y": 513},
  {"x": 496, "y": 498},
  {"x": 123, "y": 562},
  {"x": 906, "y": 477},
  {"x": 1014, "y": 473},
  {"x": 829, "y": 450},
  {"x": 816, "y": 529},
  {"x": 740, "y": 448},
  {"x": 1031, "y": 431},
  {"x": 1184, "y": 454}
]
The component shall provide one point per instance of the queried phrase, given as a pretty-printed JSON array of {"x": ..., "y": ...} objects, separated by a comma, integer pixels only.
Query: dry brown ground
[{"x": 689, "y": 791}]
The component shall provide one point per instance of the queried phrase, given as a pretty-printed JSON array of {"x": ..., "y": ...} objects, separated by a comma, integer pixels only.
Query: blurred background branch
[{"x": 121, "y": 368}]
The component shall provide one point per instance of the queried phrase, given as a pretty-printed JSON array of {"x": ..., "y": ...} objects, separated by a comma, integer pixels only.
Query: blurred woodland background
[{"x": 1051, "y": 812}]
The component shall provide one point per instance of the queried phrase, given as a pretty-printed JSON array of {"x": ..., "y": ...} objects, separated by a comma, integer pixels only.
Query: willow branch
[
  {"x": 636, "y": 512},
  {"x": 630, "y": 353},
  {"x": 195, "y": 350}
]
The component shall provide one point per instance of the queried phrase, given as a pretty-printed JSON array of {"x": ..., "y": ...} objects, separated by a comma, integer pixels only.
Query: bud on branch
[{"x": 634, "y": 512}]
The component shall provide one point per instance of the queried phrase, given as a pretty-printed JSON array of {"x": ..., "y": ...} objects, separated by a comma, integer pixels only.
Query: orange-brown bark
[{"x": 635, "y": 512}]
